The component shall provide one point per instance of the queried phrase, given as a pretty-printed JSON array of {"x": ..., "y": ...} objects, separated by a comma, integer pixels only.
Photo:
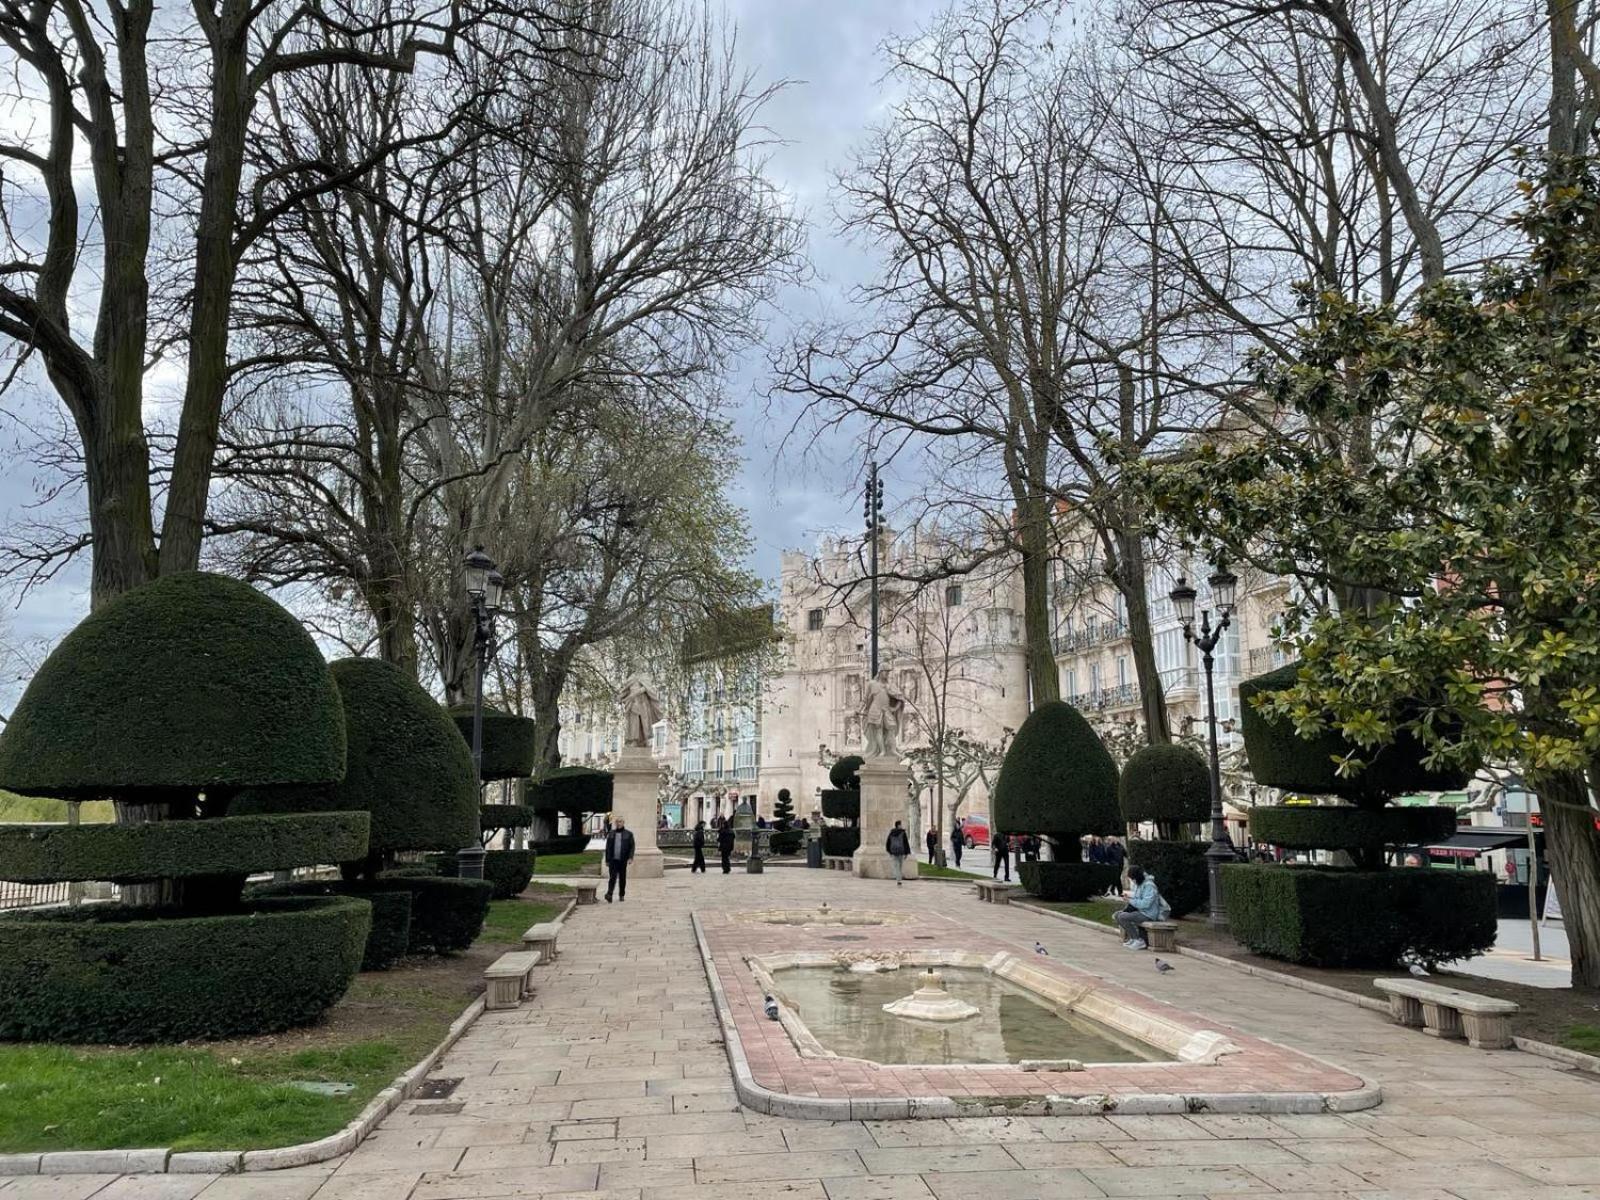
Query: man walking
[
  {"x": 725, "y": 845},
  {"x": 958, "y": 841},
  {"x": 898, "y": 844},
  {"x": 1002, "y": 854},
  {"x": 699, "y": 843},
  {"x": 619, "y": 853},
  {"x": 933, "y": 845}
]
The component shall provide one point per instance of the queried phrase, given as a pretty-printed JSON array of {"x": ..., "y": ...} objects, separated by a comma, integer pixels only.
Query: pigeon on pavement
[
  {"x": 1038, "y": 948},
  {"x": 1163, "y": 965},
  {"x": 771, "y": 1008}
]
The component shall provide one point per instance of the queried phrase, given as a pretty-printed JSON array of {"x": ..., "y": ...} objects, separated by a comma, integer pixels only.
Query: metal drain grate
[{"x": 437, "y": 1089}]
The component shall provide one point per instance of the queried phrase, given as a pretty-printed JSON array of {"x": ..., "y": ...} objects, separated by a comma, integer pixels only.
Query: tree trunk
[
  {"x": 1033, "y": 538},
  {"x": 545, "y": 688},
  {"x": 117, "y": 479},
  {"x": 1130, "y": 580},
  {"x": 1572, "y": 848}
]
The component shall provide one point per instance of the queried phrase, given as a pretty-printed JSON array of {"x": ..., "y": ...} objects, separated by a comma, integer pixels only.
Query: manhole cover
[
  {"x": 844, "y": 937},
  {"x": 437, "y": 1089}
]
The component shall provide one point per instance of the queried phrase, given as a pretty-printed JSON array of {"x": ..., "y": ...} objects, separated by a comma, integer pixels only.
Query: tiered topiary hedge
[
  {"x": 573, "y": 791},
  {"x": 510, "y": 743},
  {"x": 1170, "y": 786},
  {"x": 1372, "y": 915},
  {"x": 174, "y": 698},
  {"x": 1059, "y": 781}
]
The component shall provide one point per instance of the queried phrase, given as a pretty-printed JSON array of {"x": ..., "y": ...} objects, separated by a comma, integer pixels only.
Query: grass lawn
[
  {"x": 1583, "y": 1037},
  {"x": 938, "y": 872},
  {"x": 236, "y": 1095},
  {"x": 586, "y": 862},
  {"x": 22, "y": 809},
  {"x": 1098, "y": 911}
]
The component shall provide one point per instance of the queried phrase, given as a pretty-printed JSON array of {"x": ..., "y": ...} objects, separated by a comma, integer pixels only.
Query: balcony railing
[
  {"x": 1123, "y": 695},
  {"x": 1265, "y": 658},
  {"x": 1095, "y": 635}
]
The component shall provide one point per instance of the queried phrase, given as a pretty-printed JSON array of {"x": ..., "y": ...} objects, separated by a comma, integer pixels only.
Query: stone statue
[
  {"x": 882, "y": 709},
  {"x": 641, "y": 709}
]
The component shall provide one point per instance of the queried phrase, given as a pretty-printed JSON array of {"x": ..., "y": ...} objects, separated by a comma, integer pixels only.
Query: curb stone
[{"x": 1560, "y": 1054}]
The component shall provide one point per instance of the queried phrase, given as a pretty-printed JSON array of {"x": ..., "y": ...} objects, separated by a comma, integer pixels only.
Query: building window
[
  {"x": 952, "y": 596},
  {"x": 1122, "y": 672},
  {"x": 814, "y": 620}
]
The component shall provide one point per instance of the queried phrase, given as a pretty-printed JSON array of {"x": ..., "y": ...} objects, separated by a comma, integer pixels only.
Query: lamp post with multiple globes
[{"x": 485, "y": 587}]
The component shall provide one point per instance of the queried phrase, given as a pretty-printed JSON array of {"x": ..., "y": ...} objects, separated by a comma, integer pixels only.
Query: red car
[{"x": 976, "y": 831}]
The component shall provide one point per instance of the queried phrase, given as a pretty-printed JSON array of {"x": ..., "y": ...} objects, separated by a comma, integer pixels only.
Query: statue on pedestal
[
  {"x": 882, "y": 709},
  {"x": 641, "y": 709}
]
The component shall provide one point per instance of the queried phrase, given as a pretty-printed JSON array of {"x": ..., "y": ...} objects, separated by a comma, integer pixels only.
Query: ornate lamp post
[
  {"x": 872, "y": 518},
  {"x": 1223, "y": 591},
  {"x": 484, "y": 587}
]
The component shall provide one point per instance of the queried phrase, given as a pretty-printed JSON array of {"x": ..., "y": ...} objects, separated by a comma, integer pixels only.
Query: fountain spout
[{"x": 931, "y": 1002}]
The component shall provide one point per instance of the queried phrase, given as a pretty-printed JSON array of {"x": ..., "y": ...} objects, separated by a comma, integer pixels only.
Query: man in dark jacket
[
  {"x": 619, "y": 853},
  {"x": 933, "y": 845},
  {"x": 1001, "y": 847},
  {"x": 898, "y": 847},
  {"x": 958, "y": 841},
  {"x": 699, "y": 843},
  {"x": 725, "y": 845}
]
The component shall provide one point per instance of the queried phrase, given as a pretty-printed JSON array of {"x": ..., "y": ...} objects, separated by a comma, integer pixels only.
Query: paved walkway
[{"x": 612, "y": 1085}]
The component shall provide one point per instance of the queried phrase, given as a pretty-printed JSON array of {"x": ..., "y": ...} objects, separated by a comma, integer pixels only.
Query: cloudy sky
[{"x": 827, "y": 50}]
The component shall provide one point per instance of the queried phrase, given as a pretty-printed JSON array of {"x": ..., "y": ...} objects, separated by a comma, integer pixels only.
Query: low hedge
[
  {"x": 572, "y": 843},
  {"x": 1331, "y": 917},
  {"x": 1298, "y": 827},
  {"x": 509, "y": 870},
  {"x": 786, "y": 841},
  {"x": 391, "y": 914},
  {"x": 112, "y": 974},
  {"x": 841, "y": 804},
  {"x": 1179, "y": 869},
  {"x": 1067, "y": 880},
  {"x": 839, "y": 841},
  {"x": 446, "y": 914},
  {"x": 175, "y": 849}
]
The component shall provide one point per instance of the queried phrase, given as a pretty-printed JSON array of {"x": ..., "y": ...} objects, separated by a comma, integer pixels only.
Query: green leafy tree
[{"x": 1471, "y": 533}]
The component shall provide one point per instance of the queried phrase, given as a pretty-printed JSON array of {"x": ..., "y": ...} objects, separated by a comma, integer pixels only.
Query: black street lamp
[
  {"x": 484, "y": 586},
  {"x": 872, "y": 518},
  {"x": 1223, "y": 592}
]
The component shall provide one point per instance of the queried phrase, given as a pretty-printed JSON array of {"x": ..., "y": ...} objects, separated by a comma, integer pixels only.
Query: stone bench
[
  {"x": 541, "y": 940},
  {"x": 837, "y": 862},
  {"x": 1449, "y": 1013},
  {"x": 507, "y": 978},
  {"x": 1161, "y": 935},
  {"x": 994, "y": 891},
  {"x": 586, "y": 889}
]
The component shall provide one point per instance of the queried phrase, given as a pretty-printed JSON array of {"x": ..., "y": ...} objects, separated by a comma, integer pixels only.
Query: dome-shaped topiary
[
  {"x": 408, "y": 766},
  {"x": 194, "y": 682},
  {"x": 572, "y": 790},
  {"x": 1057, "y": 779},
  {"x": 1282, "y": 759},
  {"x": 1167, "y": 784},
  {"x": 846, "y": 773},
  {"x": 509, "y": 741}
]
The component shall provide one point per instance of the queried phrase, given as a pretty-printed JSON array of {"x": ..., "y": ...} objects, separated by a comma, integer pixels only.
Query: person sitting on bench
[{"x": 1144, "y": 904}]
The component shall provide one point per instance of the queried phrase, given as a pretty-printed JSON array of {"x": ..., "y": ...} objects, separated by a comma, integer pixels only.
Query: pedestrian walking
[
  {"x": 933, "y": 845},
  {"x": 898, "y": 844},
  {"x": 619, "y": 853},
  {"x": 1145, "y": 903},
  {"x": 699, "y": 843},
  {"x": 1001, "y": 846},
  {"x": 958, "y": 841},
  {"x": 725, "y": 846}
]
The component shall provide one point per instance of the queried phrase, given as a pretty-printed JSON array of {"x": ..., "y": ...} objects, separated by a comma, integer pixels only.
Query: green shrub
[
  {"x": 573, "y": 843},
  {"x": 1057, "y": 779},
  {"x": 783, "y": 810},
  {"x": 786, "y": 841},
  {"x": 509, "y": 870},
  {"x": 1328, "y": 917},
  {"x": 193, "y": 682},
  {"x": 1067, "y": 880},
  {"x": 495, "y": 818},
  {"x": 446, "y": 914},
  {"x": 510, "y": 745},
  {"x": 839, "y": 841},
  {"x": 1280, "y": 758},
  {"x": 408, "y": 766},
  {"x": 1180, "y": 872},
  {"x": 1297, "y": 827},
  {"x": 841, "y": 804},
  {"x": 391, "y": 914},
  {"x": 571, "y": 790},
  {"x": 115, "y": 974},
  {"x": 1167, "y": 784},
  {"x": 846, "y": 772},
  {"x": 174, "y": 849}
]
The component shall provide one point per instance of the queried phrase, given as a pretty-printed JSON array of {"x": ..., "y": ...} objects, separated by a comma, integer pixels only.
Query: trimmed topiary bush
[
  {"x": 783, "y": 811},
  {"x": 1058, "y": 780},
  {"x": 840, "y": 841},
  {"x": 509, "y": 870},
  {"x": 1179, "y": 869},
  {"x": 1067, "y": 880},
  {"x": 573, "y": 843},
  {"x": 510, "y": 747},
  {"x": 1167, "y": 784},
  {"x": 571, "y": 790},
  {"x": 446, "y": 914},
  {"x": 845, "y": 773},
  {"x": 496, "y": 818},
  {"x": 1329, "y": 917},
  {"x": 173, "y": 699},
  {"x": 108, "y": 973},
  {"x": 841, "y": 804},
  {"x": 1362, "y": 832},
  {"x": 391, "y": 914},
  {"x": 408, "y": 766},
  {"x": 786, "y": 841}
]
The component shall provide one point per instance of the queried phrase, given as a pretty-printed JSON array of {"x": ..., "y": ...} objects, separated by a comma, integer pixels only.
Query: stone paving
[{"x": 612, "y": 1085}]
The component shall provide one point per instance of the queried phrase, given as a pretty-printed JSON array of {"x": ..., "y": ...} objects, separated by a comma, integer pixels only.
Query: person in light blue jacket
[{"x": 1144, "y": 904}]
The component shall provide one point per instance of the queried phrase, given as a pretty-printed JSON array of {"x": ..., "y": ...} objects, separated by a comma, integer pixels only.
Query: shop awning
[{"x": 1469, "y": 843}]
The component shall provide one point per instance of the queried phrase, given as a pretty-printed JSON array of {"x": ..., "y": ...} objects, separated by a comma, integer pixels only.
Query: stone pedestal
[
  {"x": 883, "y": 802},
  {"x": 636, "y": 780}
]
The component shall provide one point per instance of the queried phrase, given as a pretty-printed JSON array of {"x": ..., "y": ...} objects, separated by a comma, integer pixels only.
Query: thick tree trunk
[
  {"x": 1130, "y": 580},
  {"x": 117, "y": 480},
  {"x": 1033, "y": 538},
  {"x": 545, "y": 689},
  {"x": 1572, "y": 847}
]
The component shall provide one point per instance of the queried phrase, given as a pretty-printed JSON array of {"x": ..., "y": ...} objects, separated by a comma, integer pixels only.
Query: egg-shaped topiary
[
  {"x": 194, "y": 682},
  {"x": 1280, "y": 758},
  {"x": 1167, "y": 784},
  {"x": 509, "y": 741},
  {"x": 1058, "y": 779},
  {"x": 407, "y": 766}
]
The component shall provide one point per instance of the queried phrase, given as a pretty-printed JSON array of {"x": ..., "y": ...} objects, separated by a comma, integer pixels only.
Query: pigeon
[
  {"x": 1163, "y": 965},
  {"x": 1038, "y": 948},
  {"x": 771, "y": 1008},
  {"x": 1418, "y": 969}
]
